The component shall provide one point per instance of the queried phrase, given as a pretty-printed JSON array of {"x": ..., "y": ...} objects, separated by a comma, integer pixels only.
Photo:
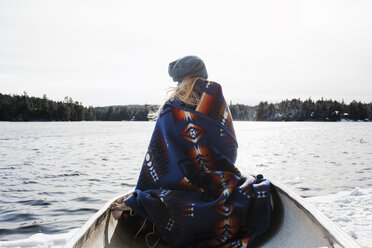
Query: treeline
[
  {"x": 242, "y": 112},
  {"x": 26, "y": 108},
  {"x": 124, "y": 113},
  {"x": 308, "y": 110}
]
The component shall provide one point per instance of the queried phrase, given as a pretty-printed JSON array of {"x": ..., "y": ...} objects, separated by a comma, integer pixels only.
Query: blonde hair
[{"x": 184, "y": 92}]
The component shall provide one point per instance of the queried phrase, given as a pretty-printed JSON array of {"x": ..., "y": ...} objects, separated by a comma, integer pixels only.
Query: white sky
[{"x": 113, "y": 52}]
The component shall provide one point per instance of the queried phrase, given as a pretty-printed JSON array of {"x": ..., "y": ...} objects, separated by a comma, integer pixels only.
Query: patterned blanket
[{"x": 189, "y": 186}]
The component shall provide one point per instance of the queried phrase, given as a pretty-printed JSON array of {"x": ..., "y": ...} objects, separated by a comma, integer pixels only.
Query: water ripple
[{"x": 34, "y": 202}]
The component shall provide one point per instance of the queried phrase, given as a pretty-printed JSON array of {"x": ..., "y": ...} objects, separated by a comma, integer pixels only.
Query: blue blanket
[{"x": 189, "y": 186}]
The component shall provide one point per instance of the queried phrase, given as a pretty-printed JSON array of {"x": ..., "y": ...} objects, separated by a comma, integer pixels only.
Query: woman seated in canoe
[{"x": 188, "y": 186}]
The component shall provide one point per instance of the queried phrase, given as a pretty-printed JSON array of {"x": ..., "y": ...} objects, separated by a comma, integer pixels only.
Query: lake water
[{"x": 55, "y": 175}]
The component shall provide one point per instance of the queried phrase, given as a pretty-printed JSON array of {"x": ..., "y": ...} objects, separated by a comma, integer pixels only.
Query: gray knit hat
[{"x": 189, "y": 66}]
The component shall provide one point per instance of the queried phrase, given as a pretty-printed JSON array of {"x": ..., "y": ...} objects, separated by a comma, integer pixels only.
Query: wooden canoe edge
[
  {"x": 83, "y": 233},
  {"x": 333, "y": 233}
]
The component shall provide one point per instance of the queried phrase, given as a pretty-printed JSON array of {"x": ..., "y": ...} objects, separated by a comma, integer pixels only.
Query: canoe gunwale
[
  {"x": 84, "y": 232},
  {"x": 335, "y": 236}
]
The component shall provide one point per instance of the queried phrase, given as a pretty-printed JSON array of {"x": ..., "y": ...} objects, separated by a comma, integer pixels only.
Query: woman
[{"x": 188, "y": 186}]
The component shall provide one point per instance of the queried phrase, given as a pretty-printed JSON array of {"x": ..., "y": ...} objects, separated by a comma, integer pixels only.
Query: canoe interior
[
  {"x": 291, "y": 227},
  {"x": 294, "y": 224}
]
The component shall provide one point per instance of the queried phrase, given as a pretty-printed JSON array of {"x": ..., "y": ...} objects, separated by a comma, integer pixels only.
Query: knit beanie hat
[{"x": 189, "y": 66}]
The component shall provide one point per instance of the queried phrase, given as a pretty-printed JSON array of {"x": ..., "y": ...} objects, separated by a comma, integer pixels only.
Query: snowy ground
[
  {"x": 350, "y": 210},
  {"x": 40, "y": 240}
]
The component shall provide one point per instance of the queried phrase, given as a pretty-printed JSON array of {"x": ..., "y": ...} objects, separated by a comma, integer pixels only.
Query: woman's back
[{"x": 188, "y": 186}]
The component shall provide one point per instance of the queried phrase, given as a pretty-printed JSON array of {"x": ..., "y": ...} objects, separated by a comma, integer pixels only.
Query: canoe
[{"x": 295, "y": 223}]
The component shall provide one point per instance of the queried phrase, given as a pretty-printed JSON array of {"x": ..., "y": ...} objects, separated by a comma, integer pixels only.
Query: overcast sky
[{"x": 112, "y": 52}]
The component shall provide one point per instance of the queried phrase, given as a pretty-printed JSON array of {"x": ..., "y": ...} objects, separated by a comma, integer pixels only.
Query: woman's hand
[{"x": 119, "y": 206}]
